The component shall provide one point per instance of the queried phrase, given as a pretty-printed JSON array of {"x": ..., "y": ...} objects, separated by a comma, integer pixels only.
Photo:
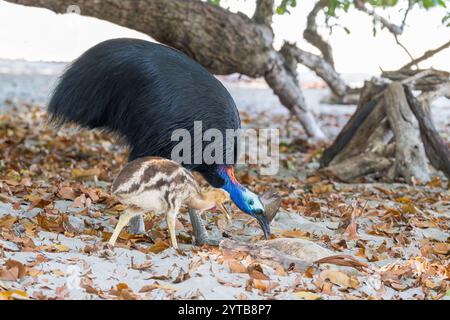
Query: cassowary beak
[{"x": 263, "y": 223}]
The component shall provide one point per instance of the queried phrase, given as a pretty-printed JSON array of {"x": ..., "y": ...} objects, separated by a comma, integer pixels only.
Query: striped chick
[{"x": 161, "y": 186}]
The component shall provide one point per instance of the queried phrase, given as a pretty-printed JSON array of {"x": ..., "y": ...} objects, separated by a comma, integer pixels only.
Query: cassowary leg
[
  {"x": 200, "y": 234},
  {"x": 137, "y": 225}
]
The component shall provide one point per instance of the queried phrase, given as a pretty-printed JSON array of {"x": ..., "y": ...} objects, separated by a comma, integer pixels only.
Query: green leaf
[
  {"x": 285, "y": 4},
  {"x": 215, "y": 2}
]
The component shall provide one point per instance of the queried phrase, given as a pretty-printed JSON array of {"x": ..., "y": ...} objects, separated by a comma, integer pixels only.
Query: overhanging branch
[{"x": 313, "y": 37}]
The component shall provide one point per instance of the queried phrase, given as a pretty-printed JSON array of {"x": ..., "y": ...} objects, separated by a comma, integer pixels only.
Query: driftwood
[{"x": 392, "y": 133}]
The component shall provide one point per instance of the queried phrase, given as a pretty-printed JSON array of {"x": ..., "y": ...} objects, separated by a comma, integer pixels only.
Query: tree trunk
[{"x": 222, "y": 41}]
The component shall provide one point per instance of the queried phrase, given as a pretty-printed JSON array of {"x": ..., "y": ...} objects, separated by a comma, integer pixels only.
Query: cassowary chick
[{"x": 161, "y": 186}]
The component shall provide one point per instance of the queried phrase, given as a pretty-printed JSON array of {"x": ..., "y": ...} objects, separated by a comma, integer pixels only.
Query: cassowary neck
[{"x": 231, "y": 185}]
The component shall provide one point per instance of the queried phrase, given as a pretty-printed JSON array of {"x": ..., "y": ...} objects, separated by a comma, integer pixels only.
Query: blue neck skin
[{"x": 233, "y": 187}]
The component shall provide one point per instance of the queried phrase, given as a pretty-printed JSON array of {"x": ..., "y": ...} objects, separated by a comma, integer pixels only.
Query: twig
[
  {"x": 404, "y": 48},
  {"x": 393, "y": 28},
  {"x": 426, "y": 56}
]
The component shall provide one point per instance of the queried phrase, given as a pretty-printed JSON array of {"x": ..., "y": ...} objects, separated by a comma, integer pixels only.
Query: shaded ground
[{"x": 56, "y": 213}]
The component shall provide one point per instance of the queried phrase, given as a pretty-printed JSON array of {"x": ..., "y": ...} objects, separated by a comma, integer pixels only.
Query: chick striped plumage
[{"x": 155, "y": 184}]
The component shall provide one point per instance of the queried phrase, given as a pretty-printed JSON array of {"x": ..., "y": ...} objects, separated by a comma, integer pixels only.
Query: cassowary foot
[
  {"x": 137, "y": 225},
  {"x": 201, "y": 236}
]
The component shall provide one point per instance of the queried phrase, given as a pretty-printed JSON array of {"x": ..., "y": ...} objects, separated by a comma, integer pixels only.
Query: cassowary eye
[{"x": 251, "y": 202}]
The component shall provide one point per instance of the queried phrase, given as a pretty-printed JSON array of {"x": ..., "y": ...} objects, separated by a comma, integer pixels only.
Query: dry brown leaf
[
  {"x": 337, "y": 277},
  {"x": 256, "y": 272},
  {"x": 8, "y": 221},
  {"x": 295, "y": 234},
  {"x": 53, "y": 225},
  {"x": 352, "y": 231},
  {"x": 158, "y": 247},
  {"x": 14, "y": 295},
  {"x": 236, "y": 267},
  {"x": 67, "y": 193},
  {"x": 85, "y": 173},
  {"x": 441, "y": 248},
  {"x": 306, "y": 295}
]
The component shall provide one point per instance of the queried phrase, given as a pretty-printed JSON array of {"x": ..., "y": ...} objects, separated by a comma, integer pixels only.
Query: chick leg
[
  {"x": 171, "y": 222},
  {"x": 200, "y": 234},
  {"x": 123, "y": 222}
]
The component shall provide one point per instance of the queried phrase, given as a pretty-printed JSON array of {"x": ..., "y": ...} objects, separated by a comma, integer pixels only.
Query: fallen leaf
[
  {"x": 14, "y": 295},
  {"x": 295, "y": 234},
  {"x": 67, "y": 193},
  {"x": 441, "y": 248},
  {"x": 85, "y": 173},
  {"x": 306, "y": 295},
  {"x": 339, "y": 278},
  {"x": 158, "y": 247},
  {"x": 7, "y": 221},
  {"x": 256, "y": 272},
  {"x": 236, "y": 267}
]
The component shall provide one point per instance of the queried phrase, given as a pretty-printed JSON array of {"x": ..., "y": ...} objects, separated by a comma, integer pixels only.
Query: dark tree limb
[{"x": 352, "y": 140}]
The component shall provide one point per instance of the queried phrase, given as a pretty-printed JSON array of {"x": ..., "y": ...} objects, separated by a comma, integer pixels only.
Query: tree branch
[
  {"x": 313, "y": 37},
  {"x": 317, "y": 64},
  {"x": 393, "y": 28},
  {"x": 264, "y": 12},
  {"x": 426, "y": 56}
]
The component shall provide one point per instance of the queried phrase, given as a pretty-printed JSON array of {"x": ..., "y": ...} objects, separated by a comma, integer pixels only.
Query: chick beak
[
  {"x": 225, "y": 210},
  {"x": 264, "y": 224}
]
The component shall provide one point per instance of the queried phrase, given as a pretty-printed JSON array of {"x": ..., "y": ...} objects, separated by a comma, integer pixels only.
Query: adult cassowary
[{"x": 143, "y": 91}]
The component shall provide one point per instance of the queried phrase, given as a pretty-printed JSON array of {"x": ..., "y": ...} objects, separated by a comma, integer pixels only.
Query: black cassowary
[{"x": 143, "y": 91}]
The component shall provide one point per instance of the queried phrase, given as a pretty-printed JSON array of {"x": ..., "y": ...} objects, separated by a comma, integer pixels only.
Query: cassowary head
[{"x": 244, "y": 199}]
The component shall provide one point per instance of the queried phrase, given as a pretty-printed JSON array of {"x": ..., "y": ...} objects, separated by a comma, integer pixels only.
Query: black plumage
[{"x": 143, "y": 91}]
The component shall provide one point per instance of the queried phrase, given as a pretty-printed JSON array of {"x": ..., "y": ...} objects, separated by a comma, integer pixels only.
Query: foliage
[
  {"x": 334, "y": 6},
  {"x": 345, "y": 5}
]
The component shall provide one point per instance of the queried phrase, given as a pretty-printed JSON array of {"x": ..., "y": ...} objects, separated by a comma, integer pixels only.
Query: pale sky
[{"x": 41, "y": 35}]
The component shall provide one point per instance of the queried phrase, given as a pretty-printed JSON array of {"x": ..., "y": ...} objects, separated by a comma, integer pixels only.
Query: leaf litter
[{"x": 383, "y": 241}]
